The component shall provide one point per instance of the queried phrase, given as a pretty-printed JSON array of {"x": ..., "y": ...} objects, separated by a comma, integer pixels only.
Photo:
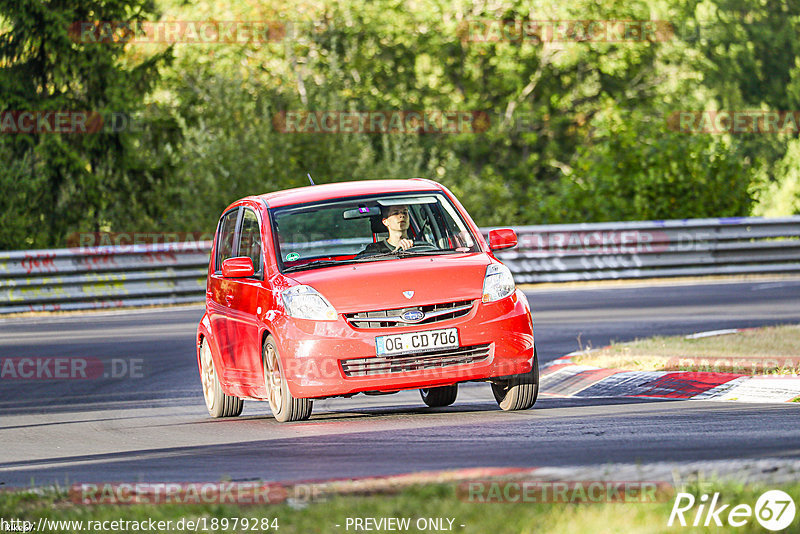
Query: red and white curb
[{"x": 564, "y": 378}]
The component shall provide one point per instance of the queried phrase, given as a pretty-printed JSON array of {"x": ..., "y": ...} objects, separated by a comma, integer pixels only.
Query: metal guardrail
[
  {"x": 139, "y": 275},
  {"x": 103, "y": 277},
  {"x": 647, "y": 249}
]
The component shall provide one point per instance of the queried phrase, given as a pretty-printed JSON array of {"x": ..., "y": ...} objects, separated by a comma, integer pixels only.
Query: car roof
[{"x": 314, "y": 193}]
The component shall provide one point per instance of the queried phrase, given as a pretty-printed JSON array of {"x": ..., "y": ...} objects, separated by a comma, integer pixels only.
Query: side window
[
  {"x": 227, "y": 227},
  {"x": 250, "y": 239},
  {"x": 424, "y": 220}
]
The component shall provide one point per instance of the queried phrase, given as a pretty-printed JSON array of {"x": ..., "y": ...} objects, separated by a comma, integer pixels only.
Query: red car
[{"x": 360, "y": 287}]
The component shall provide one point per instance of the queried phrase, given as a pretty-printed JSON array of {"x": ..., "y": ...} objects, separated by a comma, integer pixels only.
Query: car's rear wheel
[
  {"x": 218, "y": 403},
  {"x": 441, "y": 396},
  {"x": 284, "y": 407},
  {"x": 518, "y": 392}
]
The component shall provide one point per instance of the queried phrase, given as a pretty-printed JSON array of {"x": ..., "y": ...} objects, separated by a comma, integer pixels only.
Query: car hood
[{"x": 381, "y": 285}]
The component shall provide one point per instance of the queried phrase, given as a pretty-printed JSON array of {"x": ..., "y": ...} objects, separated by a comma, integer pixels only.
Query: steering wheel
[{"x": 422, "y": 245}]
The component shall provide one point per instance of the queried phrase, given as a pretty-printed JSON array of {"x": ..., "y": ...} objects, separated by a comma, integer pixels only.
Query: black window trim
[
  {"x": 259, "y": 273},
  {"x": 235, "y": 249}
]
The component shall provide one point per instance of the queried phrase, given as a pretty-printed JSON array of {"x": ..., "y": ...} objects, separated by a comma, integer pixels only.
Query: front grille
[
  {"x": 434, "y": 313},
  {"x": 435, "y": 359}
]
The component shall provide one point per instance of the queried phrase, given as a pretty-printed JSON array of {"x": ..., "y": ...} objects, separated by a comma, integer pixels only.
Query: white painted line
[
  {"x": 712, "y": 333},
  {"x": 766, "y": 389}
]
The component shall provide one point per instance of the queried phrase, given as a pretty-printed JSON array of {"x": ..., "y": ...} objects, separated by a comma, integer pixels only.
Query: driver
[{"x": 396, "y": 220}]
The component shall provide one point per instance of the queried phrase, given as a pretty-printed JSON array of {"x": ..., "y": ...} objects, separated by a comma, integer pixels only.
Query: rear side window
[
  {"x": 250, "y": 239},
  {"x": 225, "y": 237}
]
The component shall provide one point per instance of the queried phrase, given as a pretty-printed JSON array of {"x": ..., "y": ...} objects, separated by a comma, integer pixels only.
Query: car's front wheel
[
  {"x": 518, "y": 392},
  {"x": 441, "y": 396},
  {"x": 284, "y": 407},
  {"x": 218, "y": 403}
]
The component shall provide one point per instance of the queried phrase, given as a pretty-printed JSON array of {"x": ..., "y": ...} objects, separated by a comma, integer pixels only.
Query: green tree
[
  {"x": 578, "y": 130},
  {"x": 73, "y": 182},
  {"x": 749, "y": 55},
  {"x": 637, "y": 170}
]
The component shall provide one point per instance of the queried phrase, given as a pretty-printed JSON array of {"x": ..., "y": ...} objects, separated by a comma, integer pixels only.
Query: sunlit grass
[
  {"x": 769, "y": 350},
  {"x": 422, "y": 502}
]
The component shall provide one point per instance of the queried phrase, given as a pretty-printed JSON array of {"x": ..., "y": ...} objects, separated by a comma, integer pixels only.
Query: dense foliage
[{"x": 577, "y": 130}]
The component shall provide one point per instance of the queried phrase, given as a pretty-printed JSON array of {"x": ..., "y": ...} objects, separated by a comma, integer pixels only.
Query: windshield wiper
[
  {"x": 313, "y": 265},
  {"x": 400, "y": 253},
  {"x": 425, "y": 252},
  {"x": 375, "y": 256}
]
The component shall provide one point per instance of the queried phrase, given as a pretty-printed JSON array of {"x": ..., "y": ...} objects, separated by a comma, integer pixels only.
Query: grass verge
[
  {"x": 417, "y": 504},
  {"x": 771, "y": 350}
]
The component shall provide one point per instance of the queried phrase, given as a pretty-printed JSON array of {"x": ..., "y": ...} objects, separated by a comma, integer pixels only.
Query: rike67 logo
[{"x": 774, "y": 510}]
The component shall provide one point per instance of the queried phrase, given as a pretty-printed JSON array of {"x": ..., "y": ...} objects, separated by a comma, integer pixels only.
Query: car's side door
[
  {"x": 219, "y": 290},
  {"x": 243, "y": 311}
]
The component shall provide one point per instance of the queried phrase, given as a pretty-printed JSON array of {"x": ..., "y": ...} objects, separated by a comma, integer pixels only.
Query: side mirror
[
  {"x": 238, "y": 268},
  {"x": 502, "y": 238}
]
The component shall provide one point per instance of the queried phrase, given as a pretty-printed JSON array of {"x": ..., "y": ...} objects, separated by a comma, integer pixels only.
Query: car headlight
[
  {"x": 498, "y": 282},
  {"x": 304, "y": 302}
]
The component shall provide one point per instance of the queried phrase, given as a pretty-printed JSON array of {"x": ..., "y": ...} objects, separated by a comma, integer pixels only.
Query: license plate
[{"x": 446, "y": 338}]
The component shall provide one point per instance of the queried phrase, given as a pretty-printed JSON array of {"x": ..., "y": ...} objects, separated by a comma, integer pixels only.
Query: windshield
[{"x": 368, "y": 229}]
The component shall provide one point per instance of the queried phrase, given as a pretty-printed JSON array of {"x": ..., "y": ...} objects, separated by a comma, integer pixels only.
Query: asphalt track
[{"x": 153, "y": 427}]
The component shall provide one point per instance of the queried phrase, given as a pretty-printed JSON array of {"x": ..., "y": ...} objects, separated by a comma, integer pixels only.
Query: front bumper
[{"x": 312, "y": 352}]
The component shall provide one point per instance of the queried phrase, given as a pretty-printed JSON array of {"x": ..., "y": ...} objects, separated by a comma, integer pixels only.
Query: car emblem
[
  {"x": 408, "y": 294},
  {"x": 413, "y": 316}
]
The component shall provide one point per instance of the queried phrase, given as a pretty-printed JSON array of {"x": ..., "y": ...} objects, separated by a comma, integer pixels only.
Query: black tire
[
  {"x": 518, "y": 392},
  {"x": 441, "y": 396},
  {"x": 218, "y": 403},
  {"x": 285, "y": 408}
]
